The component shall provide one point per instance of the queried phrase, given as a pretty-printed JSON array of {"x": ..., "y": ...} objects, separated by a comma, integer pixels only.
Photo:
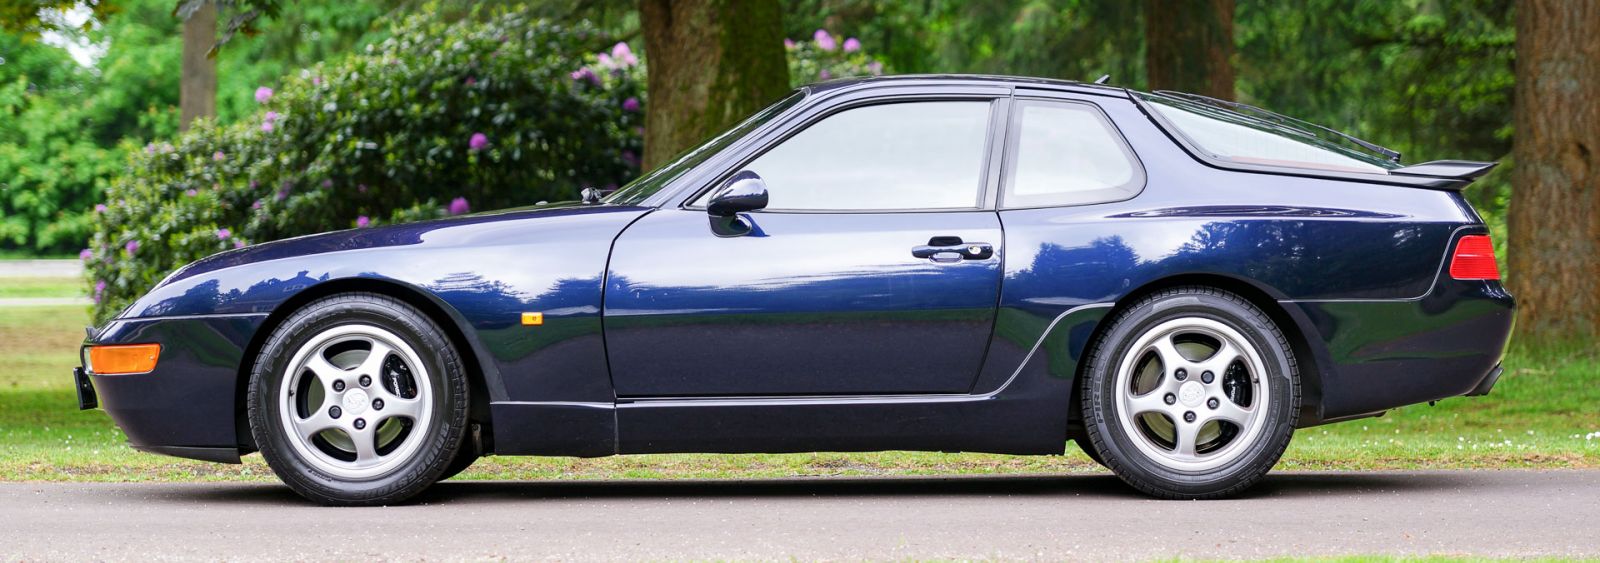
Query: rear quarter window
[{"x": 1228, "y": 137}]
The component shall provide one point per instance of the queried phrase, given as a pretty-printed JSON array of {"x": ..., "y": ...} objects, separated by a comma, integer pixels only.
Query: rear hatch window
[{"x": 1264, "y": 139}]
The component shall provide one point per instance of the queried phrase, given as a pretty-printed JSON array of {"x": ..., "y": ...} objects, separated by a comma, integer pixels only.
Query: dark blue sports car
[{"x": 976, "y": 264}]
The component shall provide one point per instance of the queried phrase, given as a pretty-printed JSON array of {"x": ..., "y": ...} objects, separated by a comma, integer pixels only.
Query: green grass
[
  {"x": 41, "y": 287},
  {"x": 1541, "y": 415}
]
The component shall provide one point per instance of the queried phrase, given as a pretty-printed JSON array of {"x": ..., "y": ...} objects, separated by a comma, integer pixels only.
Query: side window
[
  {"x": 910, "y": 155},
  {"x": 1065, "y": 153}
]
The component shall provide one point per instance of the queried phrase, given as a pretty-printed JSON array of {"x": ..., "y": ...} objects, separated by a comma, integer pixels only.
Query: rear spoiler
[{"x": 1453, "y": 174}]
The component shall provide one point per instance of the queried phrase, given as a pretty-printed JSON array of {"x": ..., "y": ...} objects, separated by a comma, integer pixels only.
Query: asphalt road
[{"x": 1489, "y": 513}]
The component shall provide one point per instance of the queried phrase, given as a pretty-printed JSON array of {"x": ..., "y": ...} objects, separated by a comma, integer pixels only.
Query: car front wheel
[
  {"x": 1191, "y": 393},
  {"x": 357, "y": 399}
]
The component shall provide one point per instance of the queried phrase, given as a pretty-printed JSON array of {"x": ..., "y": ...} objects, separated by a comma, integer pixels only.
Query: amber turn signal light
[{"x": 123, "y": 358}]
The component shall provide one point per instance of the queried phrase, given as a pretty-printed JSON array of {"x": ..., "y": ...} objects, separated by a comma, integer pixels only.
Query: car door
[{"x": 874, "y": 269}]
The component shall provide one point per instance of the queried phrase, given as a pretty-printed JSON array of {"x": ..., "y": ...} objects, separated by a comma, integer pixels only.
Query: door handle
[{"x": 951, "y": 249}]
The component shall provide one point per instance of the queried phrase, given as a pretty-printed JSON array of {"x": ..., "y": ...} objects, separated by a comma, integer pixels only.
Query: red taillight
[{"x": 1474, "y": 259}]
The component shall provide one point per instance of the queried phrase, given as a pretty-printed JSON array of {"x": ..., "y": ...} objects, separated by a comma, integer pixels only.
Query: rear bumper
[
  {"x": 187, "y": 406},
  {"x": 1378, "y": 355}
]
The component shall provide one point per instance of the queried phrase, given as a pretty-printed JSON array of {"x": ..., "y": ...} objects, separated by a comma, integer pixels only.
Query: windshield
[
  {"x": 1236, "y": 137},
  {"x": 652, "y": 182}
]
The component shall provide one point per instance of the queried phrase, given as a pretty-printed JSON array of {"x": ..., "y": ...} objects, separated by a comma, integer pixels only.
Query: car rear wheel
[
  {"x": 357, "y": 399},
  {"x": 1192, "y": 393}
]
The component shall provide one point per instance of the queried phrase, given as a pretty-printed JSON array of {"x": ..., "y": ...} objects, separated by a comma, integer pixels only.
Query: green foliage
[
  {"x": 436, "y": 119},
  {"x": 826, "y": 57}
]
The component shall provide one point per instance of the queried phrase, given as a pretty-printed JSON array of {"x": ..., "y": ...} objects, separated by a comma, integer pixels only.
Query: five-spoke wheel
[
  {"x": 1190, "y": 392},
  {"x": 358, "y": 399}
]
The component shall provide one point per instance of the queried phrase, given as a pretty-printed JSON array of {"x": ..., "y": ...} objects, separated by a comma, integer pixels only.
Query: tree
[
  {"x": 712, "y": 62},
  {"x": 197, "y": 89},
  {"x": 1554, "y": 219},
  {"x": 1189, "y": 46}
]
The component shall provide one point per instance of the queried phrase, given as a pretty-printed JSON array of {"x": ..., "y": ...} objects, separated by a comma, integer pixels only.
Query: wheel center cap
[
  {"x": 355, "y": 402},
  {"x": 1191, "y": 394}
]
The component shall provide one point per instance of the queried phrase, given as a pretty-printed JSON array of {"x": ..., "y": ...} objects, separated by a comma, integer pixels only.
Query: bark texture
[
  {"x": 1554, "y": 222},
  {"x": 712, "y": 63},
  {"x": 1189, "y": 46},
  {"x": 197, "y": 85}
]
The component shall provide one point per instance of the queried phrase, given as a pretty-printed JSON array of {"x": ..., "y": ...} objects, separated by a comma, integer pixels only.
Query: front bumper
[{"x": 189, "y": 405}]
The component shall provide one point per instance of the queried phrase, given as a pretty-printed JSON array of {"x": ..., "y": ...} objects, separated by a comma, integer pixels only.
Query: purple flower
[
  {"x": 824, "y": 74},
  {"x": 223, "y": 234},
  {"x": 266, "y": 127},
  {"x": 99, "y": 289},
  {"x": 263, "y": 94},
  {"x": 623, "y": 54},
  {"x": 316, "y": 81},
  {"x": 458, "y": 206},
  {"x": 271, "y": 116},
  {"x": 238, "y": 244},
  {"x": 630, "y": 104},
  {"x": 327, "y": 184},
  {"x": 605, "y": 61},
  {"x": 584, "y": 74},
  {"x": 875, "y": 67},
  {"x": 191, "y": 192},
  {"x": 85, "y": 254},
  {"x": 630, "y": 158},
  {"x": 283, "y": 193},
  {"x": 478, "y": 142},
  {"x": 852, "y": 45},
  {"x": 253, "y": 184},
  {"x": 217, "y": 155},
  {"x": 256, "y": 205},
  {"x": 824, "y": 40},
  {"x": 362, "y": 222},
  {"x": 361, "y": 188},
  {"x": 131, "y": 247},
  {"x": 471, "y": 81},
  {"x": 788, "y": 43},
  {"x": 99, "y": 208}
]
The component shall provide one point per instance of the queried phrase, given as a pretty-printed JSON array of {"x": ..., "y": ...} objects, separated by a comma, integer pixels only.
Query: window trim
[
  {"x": 987, "y": 174},
  {"x": 1013, "y": 139}
]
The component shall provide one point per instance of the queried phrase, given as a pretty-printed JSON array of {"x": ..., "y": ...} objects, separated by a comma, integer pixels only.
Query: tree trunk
[
  {"x": 1554, "y": 222},
  {"x": 1189, "y": 46},
  {"x": 197, "y": 86},
  {"x": 712, "y": 63}
]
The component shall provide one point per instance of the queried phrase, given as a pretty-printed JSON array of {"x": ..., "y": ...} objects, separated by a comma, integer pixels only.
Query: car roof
[{"x": 962, "y": 80}]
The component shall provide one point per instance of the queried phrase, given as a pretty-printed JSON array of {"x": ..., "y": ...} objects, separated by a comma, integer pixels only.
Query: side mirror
[{"x": 745, "y": 191}]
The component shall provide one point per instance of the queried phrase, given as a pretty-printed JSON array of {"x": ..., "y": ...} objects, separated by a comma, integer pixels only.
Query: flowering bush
[
  {"x": 825, "y": 57},
  {"x": 439, "y": 119}
]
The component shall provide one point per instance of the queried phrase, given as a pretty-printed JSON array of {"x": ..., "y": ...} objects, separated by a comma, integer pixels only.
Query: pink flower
[
  {"x": 824, "y": 74},
  {"x": 266, "y": 127},
  {"x": 584, "y": 74},
  {"x": 256, "y": 205},
  {"x": 824, "y": 40},
  {"x": 362, "y": 222},
  {"x": 316, "y": 81},
  {"x": 99, "y": 289},
  {"x": 223, "y": 234},
  {"x": 471, "y": 81},
  {"x": 623, "y": 54},
  {"x": 478, "y": 142},
  {"x": 131, "y": 247},
  {"x": 788, "y": 43},
  {"x": 605, "y": 61},
  {"x": 191, "y": 192},
  {"x": 85, "y": 254},
  {"x": 327, "y": 184},
  {"x": 875, "y": 67},
  {"x": 217, "y": 155},
  {"x": 238, "y": 244},
  {"x": 852, "y": 45},
  {"x": 99, "y": 208},
  {"x": 630, "y": 104},
  {"x": 263, "y": 94},
  {"x": 458, "y": 206},
  {"x": 361, "y": 188},
  {"x": 272, "y": 116}
]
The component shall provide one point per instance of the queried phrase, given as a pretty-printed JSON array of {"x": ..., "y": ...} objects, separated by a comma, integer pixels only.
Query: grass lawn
[
  {"x": 1542, "y": 414},
  {"x": 41, "y": 287}
]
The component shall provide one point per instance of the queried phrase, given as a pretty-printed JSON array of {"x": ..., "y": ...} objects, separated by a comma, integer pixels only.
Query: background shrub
[{"x": 437, "y": 119}]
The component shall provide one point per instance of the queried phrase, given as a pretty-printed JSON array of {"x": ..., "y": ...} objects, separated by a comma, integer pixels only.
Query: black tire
[
  {"x": 1087, "y": 445},
  {"x": 447, "y": 382},
  {"x": 464, "y": 459},
  {"x": 1249, "y": 461}
]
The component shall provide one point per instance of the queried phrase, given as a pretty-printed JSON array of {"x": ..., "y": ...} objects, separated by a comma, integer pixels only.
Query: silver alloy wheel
[
  {"x": 1191, "y": 394},
  {"x": 357, "y": 401}
]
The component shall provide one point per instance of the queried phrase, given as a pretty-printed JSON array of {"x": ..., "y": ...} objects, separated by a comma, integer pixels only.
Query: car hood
[{"x": 379, "y": 237}]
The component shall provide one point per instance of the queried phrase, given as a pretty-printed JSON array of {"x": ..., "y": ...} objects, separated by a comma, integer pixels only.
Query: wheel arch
[
  {"x": 1306, "y": 350},
  {"x": 429, "y": 304}
]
